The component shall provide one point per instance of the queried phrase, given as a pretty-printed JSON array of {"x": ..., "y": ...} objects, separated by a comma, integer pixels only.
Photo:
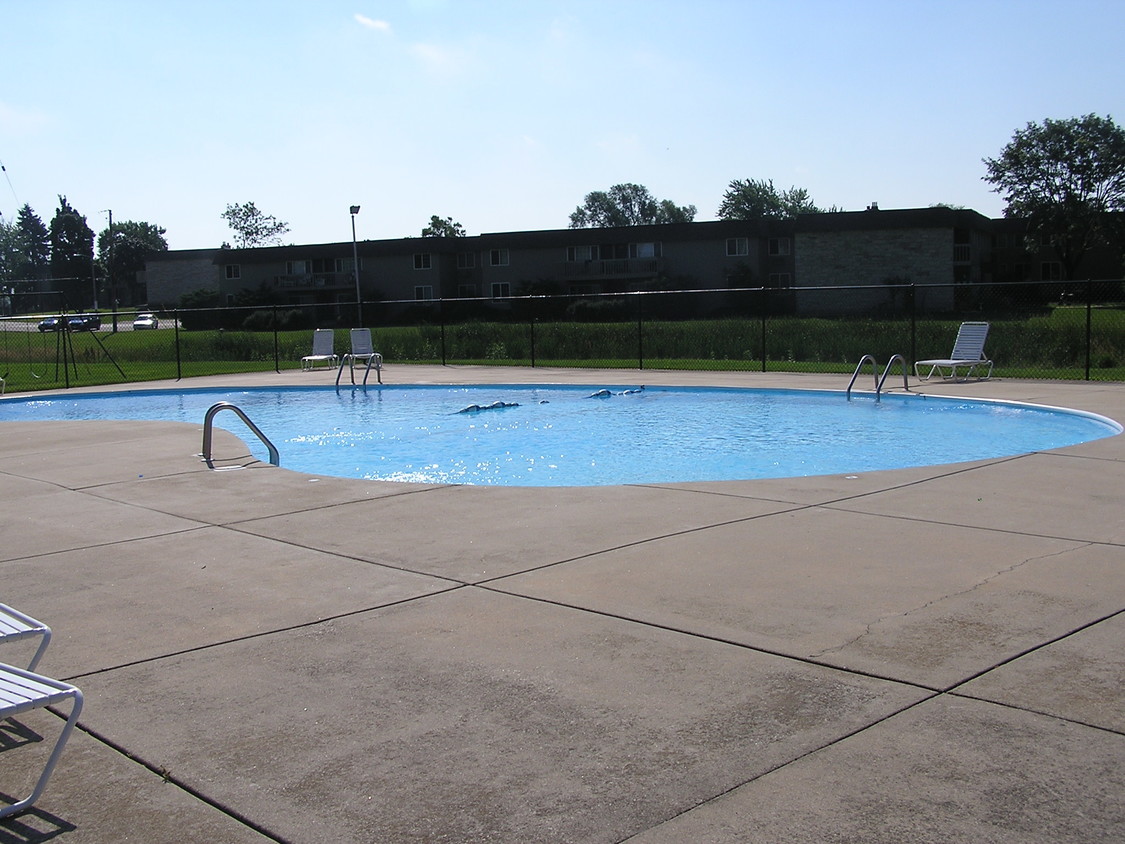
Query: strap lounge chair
[
  {"x": 362, "y": 351},
  {"x": 323, "y": 350},
  {"x": 21, "y": 691},
  {"x": 968, "y": 354},
  {"x": 15, "y": 625}
]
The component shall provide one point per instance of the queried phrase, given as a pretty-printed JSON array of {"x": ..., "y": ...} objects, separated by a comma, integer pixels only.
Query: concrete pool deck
[{"x": 930, "y": 654}]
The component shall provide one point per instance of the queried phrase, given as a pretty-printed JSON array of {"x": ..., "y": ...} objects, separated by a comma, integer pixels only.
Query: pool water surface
[{"x": 549, "y": 435}]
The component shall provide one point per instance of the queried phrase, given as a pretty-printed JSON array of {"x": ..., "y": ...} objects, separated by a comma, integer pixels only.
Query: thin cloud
[
  {"x": 371, "y": 23},
  {"x": 443, "y": 61}
]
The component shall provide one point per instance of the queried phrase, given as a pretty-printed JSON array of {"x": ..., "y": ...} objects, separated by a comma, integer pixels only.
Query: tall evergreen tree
[{"x": 34, "y": 244}]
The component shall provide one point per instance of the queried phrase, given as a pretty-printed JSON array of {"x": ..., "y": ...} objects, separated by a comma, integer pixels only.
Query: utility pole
[{"x": 109, "y": 274}]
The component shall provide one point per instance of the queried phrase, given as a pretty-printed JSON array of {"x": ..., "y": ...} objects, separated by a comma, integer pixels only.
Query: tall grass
[{"x": 1051, "y": 345}]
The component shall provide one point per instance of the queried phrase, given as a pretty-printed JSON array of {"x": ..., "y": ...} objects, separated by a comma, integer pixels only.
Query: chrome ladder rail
[
  {"x": 887, "y": 371},
  {"x": 874, "y": 374},
  {"x": 208, "y": 424},
  {"x": 879, "y": 381}
]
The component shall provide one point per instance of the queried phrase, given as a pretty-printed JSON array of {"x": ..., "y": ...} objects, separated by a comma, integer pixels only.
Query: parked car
[
  {"x": 144, "y": 321},
  {"x": 84, "y": 322},
  {"x": 51, "y": 323}
]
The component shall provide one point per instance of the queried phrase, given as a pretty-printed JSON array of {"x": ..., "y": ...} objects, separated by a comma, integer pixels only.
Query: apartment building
[{"x": 875, "y": 249}]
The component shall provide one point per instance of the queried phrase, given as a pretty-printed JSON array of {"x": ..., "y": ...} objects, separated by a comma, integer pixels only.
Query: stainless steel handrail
[
  {"x": 886, "y": 372},
  {"x": 874, "y": 374},
  {"x": 208, "y": 420}
]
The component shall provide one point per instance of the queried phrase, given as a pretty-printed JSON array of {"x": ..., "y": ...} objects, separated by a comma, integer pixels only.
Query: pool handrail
[
  {"x": 874, "y": 374},
  {"x": 208, "y": 418}
]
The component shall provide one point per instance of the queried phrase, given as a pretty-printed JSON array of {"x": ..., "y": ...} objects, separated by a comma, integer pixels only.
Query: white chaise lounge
[
  {"x": 323, "y": 349},
  {"x": 968, "y": 354}
]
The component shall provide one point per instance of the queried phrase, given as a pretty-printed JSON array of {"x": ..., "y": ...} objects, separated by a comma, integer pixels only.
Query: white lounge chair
[
  {"x": 362, "y": 351},
  {"x": 968, "y": 354},
  {"x": 15, "y": 625},
  {"x": 323, "y": 349},
  {"x": 21, "y": 691}
]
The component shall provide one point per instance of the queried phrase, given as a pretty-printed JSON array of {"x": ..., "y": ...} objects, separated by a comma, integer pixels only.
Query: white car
[{"x": 145, "y": 321}]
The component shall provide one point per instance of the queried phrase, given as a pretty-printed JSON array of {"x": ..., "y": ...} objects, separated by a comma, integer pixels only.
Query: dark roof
[{"x": 938, "y": 217}]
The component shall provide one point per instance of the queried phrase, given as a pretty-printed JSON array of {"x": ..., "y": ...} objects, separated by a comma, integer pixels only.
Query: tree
[
  {"x": 443, "y": 228},
  {"x": 253, "y": 228},
  {"x": 72, "y": 243},
  {"x": 753, "y": 199},
  {"x": 123, "y": 249},
  {"x": 1067, "y": 179},
  {"x": 627, "y": 205},
  {"x": 34, "y": 244},
  {"x": 9, "y": 250}
]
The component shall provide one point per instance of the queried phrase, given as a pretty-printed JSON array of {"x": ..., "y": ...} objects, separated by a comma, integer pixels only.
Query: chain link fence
[{"x": 1056, "y": 330}]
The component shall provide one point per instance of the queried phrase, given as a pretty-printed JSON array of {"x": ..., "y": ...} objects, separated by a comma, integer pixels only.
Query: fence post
[
  {"x": 441, "y": 320},
  {"x": 913, "y": 325},
  {"x": 276, "y": 352},
  {"x": 640, "y": 334},
  {"x": 531, "y": 325},
  {"x": 764, "y": 308},
  {"x": 176, "y": 329},
  {"x": 1089, "y": 323}
]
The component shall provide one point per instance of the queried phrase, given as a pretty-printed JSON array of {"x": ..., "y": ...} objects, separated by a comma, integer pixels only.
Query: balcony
[
  {"x": 614, "y": 268},
  {"x": 315, "y": 281}
]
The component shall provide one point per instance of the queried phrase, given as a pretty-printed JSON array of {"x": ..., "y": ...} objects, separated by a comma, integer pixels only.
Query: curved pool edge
[{"x": 1099, "y": 401}]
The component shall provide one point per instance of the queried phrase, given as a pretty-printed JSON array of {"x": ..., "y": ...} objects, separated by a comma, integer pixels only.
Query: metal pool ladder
[
  {"x": 878, "y": 381},
  {"x": 208, "y": 419}
]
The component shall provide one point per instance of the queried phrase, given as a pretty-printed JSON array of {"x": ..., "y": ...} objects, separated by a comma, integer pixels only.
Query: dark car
[
  {"x": 84, "y": 322},
  {"x": 51, "y": 323}
]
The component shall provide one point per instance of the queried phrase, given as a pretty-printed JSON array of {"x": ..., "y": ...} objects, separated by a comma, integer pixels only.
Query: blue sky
[{"x": 504, "y": 114}]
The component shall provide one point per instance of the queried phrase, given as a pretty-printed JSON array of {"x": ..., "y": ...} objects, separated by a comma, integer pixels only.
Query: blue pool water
[{"x": 540, "y": 435}]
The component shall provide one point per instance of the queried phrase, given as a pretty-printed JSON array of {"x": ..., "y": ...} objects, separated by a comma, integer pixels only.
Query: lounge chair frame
[
  {"x": 323, "y": 350},
  {"x": 15, "y": 625},
  {"x": 22, "y": 691},
  {"x": 968, "y": 354},
  {"x": 362, "y": 351}
]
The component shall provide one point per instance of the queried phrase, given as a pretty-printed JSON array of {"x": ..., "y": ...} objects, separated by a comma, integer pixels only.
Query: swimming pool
[{"x": 549, "y": 435}]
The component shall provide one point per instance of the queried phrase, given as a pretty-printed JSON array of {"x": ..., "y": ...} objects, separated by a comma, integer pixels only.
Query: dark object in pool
[{"x": 496, "y": 405}]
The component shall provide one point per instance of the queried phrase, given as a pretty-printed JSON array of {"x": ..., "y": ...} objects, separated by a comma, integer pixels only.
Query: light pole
[{"x": 355, "y": 267}]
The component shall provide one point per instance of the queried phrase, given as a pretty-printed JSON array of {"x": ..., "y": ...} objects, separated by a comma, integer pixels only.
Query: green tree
[
  {"x": 123, "y": 249},
  {"x": 753, "y": 199},
  {"x": 9, "y": 250},
  {"x": 627, "y": 205},
  {"x": 72, "y": 244},
  {"x": 443, "y": 228},
  {"x": 1067, "y": 179},
  {"x": 253, "y": 228},
  {"x": 34, "y": 243}
]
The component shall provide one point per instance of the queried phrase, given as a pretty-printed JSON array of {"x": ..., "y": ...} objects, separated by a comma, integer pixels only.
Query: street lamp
[{"x": 355, "y": 266}]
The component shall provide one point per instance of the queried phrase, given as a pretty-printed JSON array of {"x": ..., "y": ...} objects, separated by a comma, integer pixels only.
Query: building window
[
  {"x": 297, "y": 268},
  {"x": 780, "y": 280},
  {"x": 234, "y": 271},
  {"x": 644, "y": 250},
  {"x": 424, "y": 292},
  {"x": 501, "y": 289},
  {"x": 466, "y": 291},
  {"x": 581, "y": 253},
  {"x": 737, "y": 246},
  {"x": 422, "y": 261},
  {"x": 779, "y": 246},
  {"x": 466, "y": 260},
  {"x": 1050, "y": 271},
  {"x": 498, "y": 258}
]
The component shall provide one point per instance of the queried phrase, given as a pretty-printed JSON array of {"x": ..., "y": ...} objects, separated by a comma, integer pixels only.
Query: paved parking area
[{"x": 925, "y": 655}]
